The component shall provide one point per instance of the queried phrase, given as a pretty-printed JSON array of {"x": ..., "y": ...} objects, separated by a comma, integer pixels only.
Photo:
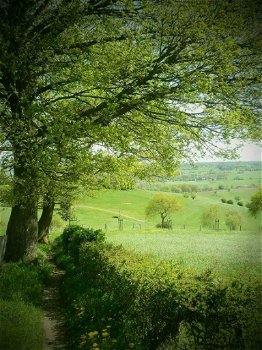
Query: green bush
[
  {"x": 241, "y": 204},
  {"x": 136, "y": 302},
  {"x": 233, "y": 219},
  {"x": 20, "y": 326},
  {"x": 166, "y": 224},
  {"x": 75, "y": 235},
  {"x": 230, "y": 201},
  {"x": 21, "y": 282},
  {"x": 223, "y": 200}
]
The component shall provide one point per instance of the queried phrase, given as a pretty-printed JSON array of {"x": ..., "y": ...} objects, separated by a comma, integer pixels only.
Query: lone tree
[
  {"x": 255, "y": 204},
  {"x": 163, "y": 205},
  {"x": 210, "y": 216},
  {"x": 233, "y": 220},
  {"x": 152, "y": 79}
]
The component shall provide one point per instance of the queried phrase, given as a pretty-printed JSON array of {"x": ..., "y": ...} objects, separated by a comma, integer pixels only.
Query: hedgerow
[{"x": 118, "y": 300}]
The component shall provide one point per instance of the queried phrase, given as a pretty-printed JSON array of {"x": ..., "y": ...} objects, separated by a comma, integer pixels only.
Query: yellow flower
[
  {"x": 105, "y": 334},
  {"x": 92, "y": 334},
  {"x": 95, "y": 345}
]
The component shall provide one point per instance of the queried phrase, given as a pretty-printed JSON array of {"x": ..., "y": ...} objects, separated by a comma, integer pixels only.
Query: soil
[{"x": 53, "y": 319}]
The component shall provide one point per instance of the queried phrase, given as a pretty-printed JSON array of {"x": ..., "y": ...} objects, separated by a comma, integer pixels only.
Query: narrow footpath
[{"x": 53, "y": 318}]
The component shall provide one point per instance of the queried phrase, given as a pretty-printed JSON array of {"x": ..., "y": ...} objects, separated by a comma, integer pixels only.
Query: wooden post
[{"x": 3, "y": 240}]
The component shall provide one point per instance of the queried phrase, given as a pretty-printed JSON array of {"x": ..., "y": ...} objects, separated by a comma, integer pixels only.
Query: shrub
[
  {"x": 210, "y": 216},
  {"x": 230, "y": 201},
  {"x": 119, "y": 299},
  {"x": 241, "y": 204},
  {"x": 223, "y": 200},
  {"x": 20, "y": 282},
  {"x": 233, "y": 220},
  {"x": 73, "y": 236},
  {"x": 166, "y": 224},
  {"x": 20, "y": 326}
]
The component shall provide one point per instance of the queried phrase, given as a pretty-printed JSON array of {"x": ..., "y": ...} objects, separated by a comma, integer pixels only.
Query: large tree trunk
[
  {"x": 45, "y": 220},
  {"x": 22, "y": 233},
  {"x": 22, "y": 227}
]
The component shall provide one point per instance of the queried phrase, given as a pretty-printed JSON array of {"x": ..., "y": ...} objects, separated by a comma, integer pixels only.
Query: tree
[
  {"x": 255, "y": 204},
  {"x": 163, "y": 205},
  {"x": 154, "y": 80},
  {"x": 233, "y": 220},
  {"x": 210, "y": 216}
]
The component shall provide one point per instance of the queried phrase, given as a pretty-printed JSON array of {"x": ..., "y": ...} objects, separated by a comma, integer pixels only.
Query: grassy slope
[
  {"x": 130, "y": 205},
  {"x": 229, "y": 253}
]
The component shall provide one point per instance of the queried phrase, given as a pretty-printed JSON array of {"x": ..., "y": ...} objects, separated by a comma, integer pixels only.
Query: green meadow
[
  {"x": 188, "y": 243},
  {"x": 104, "y": 209}
]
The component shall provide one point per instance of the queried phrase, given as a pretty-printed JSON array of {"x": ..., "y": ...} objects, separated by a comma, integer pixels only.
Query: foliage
[
  {"x": 240, "y": 203},
  {"x": 167, "y": 224},
  {"x": 73, "y": 236},
  {"x": 88, "y": 77},
  {"x": 233, "y": 220},
  {"x": 163, "y": 205},
  {"x": 210, "y": 216},
  {"x": 223, "y": 200},
  {"x": 20, "y": 282},
  {"x": 230, "y": 201},
  {"x": 164, "y": 301},
  {"x": 20, "y": 326},
  {"x": 255, "y": 204}
]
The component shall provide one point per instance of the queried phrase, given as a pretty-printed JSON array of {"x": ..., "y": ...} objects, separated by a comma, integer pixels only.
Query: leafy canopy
[{"x": 163, "y": 205}]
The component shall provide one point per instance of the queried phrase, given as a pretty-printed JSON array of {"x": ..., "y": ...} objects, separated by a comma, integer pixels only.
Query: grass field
[
  {"x": 229, "y": 253},
  {"x": 226, "y": 253}
]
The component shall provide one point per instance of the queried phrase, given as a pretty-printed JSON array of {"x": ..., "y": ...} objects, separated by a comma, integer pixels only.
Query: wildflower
[
  {"x": 95, "y": 345},
  {"x": 92, "y": 334},
  {"x": 131, "y": 345},
  {"x": 105, "y": 334}
]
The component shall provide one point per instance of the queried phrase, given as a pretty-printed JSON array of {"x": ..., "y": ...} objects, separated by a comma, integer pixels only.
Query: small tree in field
[
  {"x": 233, "y": 220},
  {"x": 255, "y": 204},
  {"x": 210, "y": 216},
  {"x": 163, "y": 205}
]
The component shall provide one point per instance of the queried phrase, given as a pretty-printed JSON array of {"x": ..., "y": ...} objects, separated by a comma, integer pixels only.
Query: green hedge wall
[{"x": 119, "y": 300}]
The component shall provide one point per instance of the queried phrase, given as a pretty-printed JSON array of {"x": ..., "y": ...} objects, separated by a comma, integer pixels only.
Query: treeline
[{"x": 186, "y": 187}]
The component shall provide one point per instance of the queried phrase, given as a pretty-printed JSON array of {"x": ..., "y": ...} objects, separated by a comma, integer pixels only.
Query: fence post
[{"x": 3, "y": 240}]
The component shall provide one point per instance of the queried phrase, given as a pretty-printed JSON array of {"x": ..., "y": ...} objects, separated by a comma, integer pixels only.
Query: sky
[{"x": 249, "y": 152}]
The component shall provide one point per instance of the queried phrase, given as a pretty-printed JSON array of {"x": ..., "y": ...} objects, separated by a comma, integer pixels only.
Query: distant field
[
  {"x": 227, "y": 253},
  {"x": 102, "y": 210}
]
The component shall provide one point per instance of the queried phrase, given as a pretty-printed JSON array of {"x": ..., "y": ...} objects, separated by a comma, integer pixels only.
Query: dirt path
[
  {"x": 110, "y": 211},
  {"x": 53, "y": 320}
]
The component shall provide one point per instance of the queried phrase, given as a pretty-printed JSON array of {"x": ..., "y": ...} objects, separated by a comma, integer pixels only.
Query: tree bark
[
  {"x": 45, "y": 220},
  {"x": 22, "y": 227},
  {"x": 22, "y": 233}
]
